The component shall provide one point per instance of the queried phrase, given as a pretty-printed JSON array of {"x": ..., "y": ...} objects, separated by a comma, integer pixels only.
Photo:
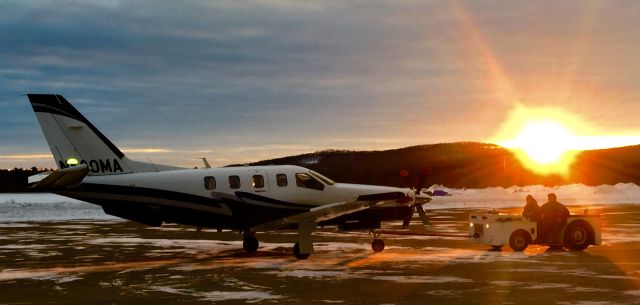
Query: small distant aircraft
[{"x": 249, "y": 199}]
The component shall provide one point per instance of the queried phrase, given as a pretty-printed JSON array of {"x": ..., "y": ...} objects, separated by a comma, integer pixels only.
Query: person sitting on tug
[{"x": 553, "y": 218}]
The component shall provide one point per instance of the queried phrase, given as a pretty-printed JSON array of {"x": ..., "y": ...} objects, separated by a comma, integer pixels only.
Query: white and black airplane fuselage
[
  {"x": 231, "y": 198},
  {"x": 246, "y": 198}
]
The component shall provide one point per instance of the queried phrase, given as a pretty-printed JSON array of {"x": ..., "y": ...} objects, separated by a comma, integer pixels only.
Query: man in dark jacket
[{"x": 553, "y": 217}]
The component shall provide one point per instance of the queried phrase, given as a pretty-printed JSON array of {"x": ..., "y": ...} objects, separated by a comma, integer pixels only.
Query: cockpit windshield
[
  {"x": 322, "y": 178},
  {"x": 306, "y": 180}
]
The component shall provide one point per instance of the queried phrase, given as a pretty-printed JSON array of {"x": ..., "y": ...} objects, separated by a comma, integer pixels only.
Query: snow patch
[
  {"x": 250, "y": 296},
  {"x": 572, "y": 194},
  {"x": 213, "y": 296},
  {"x": 46, "y": 207},
  {"x": 632, "y": 292},
  {"x": 421, "y": 279}
]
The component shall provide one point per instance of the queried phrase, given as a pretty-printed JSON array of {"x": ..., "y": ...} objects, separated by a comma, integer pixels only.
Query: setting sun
[
  {"x": 545, "y": 147},
  {"x": 546, "y": 140}
]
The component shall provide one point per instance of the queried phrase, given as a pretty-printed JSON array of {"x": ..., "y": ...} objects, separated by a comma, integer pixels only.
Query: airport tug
[{"x": 497, "y": 230}]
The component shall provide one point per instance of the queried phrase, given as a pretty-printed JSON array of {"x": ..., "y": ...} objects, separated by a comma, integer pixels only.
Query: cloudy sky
[{"x": 239, "y": 81}]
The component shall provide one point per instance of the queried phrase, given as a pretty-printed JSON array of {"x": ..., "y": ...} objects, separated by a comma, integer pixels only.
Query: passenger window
[
  {"x": 234, "y": 182},
  {"x": 209, "y": 183},
  {"x": 258, "y": 181},
  {"x": 281, "y": 180},
  {"x": 307, "y": 181}
]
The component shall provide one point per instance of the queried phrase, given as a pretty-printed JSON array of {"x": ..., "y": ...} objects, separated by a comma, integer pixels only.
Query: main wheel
[
  {"x": 377, "y": 245},
  {"x": 577, "y": 235},
  {"x": 250, "y": 244},
  {"x": 297, "y": 254},
  {"x": 519, "y": 240}
]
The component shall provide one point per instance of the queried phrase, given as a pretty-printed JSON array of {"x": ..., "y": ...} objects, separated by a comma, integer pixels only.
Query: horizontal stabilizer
[{"x": 60, "y": 178}]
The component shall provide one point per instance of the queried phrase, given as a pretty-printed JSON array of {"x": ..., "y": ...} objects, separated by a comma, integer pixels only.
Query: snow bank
[
  {"x": 43, "y": 206},
  {"x": 573, "y": 194}
]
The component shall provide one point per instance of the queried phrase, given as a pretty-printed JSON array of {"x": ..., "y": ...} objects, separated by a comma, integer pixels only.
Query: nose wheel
[{"x": 377, "y": 245}]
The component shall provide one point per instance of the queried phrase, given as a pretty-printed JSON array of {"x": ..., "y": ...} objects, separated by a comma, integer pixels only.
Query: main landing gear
[
  {"x": 301, "y": 249},
  {"x": 304, "y": 247},
  {"x": 297, "y": 254},
  {"x": 249, "y": 242}
]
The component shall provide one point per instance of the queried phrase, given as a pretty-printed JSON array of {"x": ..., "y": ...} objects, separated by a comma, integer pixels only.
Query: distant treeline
[
  {"x": 15, "y": 180},
  {"x": 458, "y": 165}
]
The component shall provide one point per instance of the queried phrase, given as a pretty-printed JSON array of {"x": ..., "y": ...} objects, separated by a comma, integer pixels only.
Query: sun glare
[
  {"x": 547, "y": 140},
  {"x": 544, "y": 140}
]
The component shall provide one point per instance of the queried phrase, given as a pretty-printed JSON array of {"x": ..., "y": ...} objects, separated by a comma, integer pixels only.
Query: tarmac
[{"x": 121, "y": 262}]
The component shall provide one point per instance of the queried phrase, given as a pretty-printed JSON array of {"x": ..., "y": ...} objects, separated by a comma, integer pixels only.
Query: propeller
[{"x": 416, "y": 206}]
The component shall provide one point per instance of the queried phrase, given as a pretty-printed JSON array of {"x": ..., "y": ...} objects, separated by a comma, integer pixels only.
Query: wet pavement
[{"x": 121, "y": 262}]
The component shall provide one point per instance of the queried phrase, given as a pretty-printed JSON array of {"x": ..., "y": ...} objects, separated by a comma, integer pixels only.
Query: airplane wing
[
  {"x": 330, "y": 211},
  {"x": 60, "y": 178}
]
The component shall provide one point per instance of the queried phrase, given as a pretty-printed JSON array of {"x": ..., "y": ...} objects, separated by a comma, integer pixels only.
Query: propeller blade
[
  {"x": 405, "y": 178},
  {"x": 407, "y": 221},
  {"x": 423, "y": 215},
  {"x": 424, "y": 174}
]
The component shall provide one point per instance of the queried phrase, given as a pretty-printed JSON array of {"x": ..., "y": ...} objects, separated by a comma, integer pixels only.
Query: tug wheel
[
  {"x": 377, "y": 245},
  {"x": 519, "y": 240},
  {"x": 577, "y": 235}
]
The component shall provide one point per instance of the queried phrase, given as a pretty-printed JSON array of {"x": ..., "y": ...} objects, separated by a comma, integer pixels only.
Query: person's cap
[{"x": 552, "y": 196}]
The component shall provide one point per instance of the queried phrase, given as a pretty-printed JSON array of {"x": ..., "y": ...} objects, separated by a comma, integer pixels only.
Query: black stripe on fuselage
[
  {"x": 243, "y": 214},
  {"x": 146, "y": 192},
  {"x": 179, "y": 196},
  {"x": 264, "y": 199},
  {"x": 243, "y": 217},
  {"x": 142, "y": 204},
  {"x": 57, "y": 104}
]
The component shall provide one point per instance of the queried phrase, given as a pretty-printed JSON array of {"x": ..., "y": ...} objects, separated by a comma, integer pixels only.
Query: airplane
[{"x": 249, "y": 199}]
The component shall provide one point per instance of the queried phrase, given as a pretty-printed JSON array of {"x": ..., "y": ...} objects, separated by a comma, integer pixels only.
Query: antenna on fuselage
[
  {"x": 154, "y": 165},
  {"x": 206, "y": 163}
]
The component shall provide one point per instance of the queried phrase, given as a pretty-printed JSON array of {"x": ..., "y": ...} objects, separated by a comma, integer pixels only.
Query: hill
[{"x": 467, "y": 164}]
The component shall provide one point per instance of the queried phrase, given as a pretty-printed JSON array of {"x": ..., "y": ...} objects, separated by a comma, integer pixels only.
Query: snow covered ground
[
  {"x": 120, "y": 262},
  {"x": 45, "y": 207},
  {"x": 49, "y": 254}
]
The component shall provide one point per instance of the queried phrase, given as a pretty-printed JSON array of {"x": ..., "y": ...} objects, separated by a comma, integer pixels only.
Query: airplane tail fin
[{"x": 74, "y": 140}]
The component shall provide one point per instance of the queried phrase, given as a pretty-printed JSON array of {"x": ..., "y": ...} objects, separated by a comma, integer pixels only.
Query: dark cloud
[{"x": 196, "y": 74}]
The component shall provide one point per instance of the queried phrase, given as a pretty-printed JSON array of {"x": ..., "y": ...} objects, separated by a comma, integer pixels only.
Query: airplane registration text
[{"x": 99, "y": 166}]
